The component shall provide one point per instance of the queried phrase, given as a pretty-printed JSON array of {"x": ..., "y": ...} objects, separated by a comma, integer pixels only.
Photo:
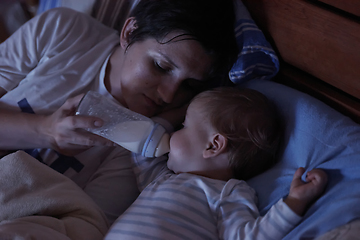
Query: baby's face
[{"x": 187, "y": 144}]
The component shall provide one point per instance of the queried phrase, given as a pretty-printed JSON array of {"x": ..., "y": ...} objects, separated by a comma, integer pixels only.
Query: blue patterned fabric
[{"x": 256, "y": 59}]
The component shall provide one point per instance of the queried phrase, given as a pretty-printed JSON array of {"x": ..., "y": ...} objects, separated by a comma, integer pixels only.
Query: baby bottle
[{"x": 129, "y": 129}]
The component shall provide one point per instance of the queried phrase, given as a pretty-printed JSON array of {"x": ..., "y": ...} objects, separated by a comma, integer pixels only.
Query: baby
[{"x": 198, "y": 191}]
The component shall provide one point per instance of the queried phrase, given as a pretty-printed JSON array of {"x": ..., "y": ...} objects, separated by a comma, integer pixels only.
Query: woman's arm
[
  {"x": 20, "y": 54},
  {"x": 13, "y": 131},
  {"x": 61, "y": 131}
]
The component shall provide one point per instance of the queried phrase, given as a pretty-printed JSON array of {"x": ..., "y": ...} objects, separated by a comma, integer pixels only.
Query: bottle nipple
[{"x": 163, "y": 146}]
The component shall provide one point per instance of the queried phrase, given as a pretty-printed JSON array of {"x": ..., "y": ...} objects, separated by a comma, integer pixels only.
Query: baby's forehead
[
  {"x": 198, "y": 110},
  {"x": 197, "y": 104}
]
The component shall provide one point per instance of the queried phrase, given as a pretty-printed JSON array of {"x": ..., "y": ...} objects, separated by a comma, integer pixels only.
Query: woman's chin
[{"x": 145, "y": 111}]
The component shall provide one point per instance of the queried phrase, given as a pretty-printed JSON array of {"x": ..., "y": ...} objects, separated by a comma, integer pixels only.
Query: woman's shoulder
[
  {"x": 64, "y": 27},
  {"x": 60, "y": 14},
  {"x": 63, "y": 13},
  {"x": 66, "y": 17}
]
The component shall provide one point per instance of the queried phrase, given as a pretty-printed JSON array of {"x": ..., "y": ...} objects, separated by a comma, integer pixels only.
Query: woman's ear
[
  {"x": 216, "y": 145},
  {"x": 128, "y": 28}
]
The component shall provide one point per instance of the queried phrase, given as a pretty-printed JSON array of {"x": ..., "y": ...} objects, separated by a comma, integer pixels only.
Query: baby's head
[{"x": 228, "y": 132}]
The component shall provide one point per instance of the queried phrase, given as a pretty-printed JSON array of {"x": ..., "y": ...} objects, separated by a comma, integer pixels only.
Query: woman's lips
[{"x": 151, "y": 102}]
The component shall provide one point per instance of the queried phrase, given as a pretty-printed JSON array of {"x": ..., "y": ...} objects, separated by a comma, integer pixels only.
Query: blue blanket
[{"x": 316, "y": 136}]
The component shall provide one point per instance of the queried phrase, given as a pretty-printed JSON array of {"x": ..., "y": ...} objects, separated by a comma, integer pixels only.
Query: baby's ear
[{"x": 216, "y": 145}]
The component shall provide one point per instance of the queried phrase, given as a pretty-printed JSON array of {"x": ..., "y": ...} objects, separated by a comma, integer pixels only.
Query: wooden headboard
[{"x": 318, "y": 43}]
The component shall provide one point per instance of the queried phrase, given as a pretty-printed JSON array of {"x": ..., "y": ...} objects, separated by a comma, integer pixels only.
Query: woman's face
[{"x": 149, "y": 77}]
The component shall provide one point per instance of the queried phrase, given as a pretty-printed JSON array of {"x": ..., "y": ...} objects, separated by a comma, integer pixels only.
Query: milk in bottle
[{"x": 130, "y": 130}]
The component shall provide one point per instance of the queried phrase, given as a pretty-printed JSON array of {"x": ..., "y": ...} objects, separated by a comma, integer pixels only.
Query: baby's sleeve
[{"x": 239, "y": 218}]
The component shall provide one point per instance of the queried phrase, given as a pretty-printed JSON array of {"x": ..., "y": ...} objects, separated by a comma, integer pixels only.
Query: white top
[
  {"x": 54, "y": 56},
  {"x": 187, "y": 206}
]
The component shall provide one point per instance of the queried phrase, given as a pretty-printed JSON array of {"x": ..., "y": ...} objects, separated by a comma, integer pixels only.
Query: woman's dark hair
[{"x": 211, "y": 22}]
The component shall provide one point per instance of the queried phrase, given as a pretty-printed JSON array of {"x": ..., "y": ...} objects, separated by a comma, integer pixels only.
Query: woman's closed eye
[{"x": 162, "y": 68}]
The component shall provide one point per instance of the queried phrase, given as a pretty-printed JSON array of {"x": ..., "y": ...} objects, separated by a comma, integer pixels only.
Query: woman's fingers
[
  {"x": 84, "y": 138},
  {"x": 72, "y": 131},
  {"x": 67, "y": 130},
  {"x": 79, "y": 141},
  {"x": 72, "y": 102},
  {"x": 75, "y": 122}
]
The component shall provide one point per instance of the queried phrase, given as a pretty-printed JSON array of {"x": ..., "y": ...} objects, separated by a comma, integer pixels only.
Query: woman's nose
[{"x": 168, "y": 88}]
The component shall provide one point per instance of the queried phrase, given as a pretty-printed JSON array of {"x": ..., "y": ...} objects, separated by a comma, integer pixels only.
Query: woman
[{"x": 169, "y": 50}]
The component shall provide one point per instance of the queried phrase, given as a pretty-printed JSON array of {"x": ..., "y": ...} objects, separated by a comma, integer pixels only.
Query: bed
[{"x": 303, "y": 55}]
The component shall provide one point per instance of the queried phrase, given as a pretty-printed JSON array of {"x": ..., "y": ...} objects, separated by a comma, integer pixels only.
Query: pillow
[
  {"x": 256, "y": 59},
  {"x": 316, "y": 136}
]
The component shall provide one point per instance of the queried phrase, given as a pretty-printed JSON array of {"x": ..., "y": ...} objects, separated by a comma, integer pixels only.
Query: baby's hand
[{"x": 303, "y": 193}]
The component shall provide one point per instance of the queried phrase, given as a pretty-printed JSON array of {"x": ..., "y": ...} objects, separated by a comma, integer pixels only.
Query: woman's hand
[
  {"x": 65, "y": 130},
  {"x": 303, "y": 193}
]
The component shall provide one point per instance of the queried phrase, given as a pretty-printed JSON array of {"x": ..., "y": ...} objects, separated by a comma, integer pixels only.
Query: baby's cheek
[
  {"x": 174, "y": 140},
  {"x": 180, "y": 145},
  {"x": 177, "y": 148}
]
